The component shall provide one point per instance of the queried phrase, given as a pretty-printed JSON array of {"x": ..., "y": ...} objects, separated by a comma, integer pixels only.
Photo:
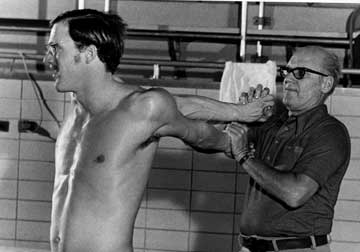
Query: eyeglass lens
[{"x": 298, "y": 73}]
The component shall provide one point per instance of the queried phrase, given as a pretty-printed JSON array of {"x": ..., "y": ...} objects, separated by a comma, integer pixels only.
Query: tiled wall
[{"x": 193, "y": 200}]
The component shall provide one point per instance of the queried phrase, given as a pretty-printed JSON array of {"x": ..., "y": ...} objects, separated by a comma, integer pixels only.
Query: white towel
[{"x": 238, "y": 77}]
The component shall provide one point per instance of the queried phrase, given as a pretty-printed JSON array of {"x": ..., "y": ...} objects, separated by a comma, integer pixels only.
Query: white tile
[
  {"x": 10, "y": 88},
  {"x": 8, "y": 189},
  {"x": 349, "y": 190},
  {"x": 346, "y": 92},
  {"x": 169, "y": 179},
  {"x": 242, "y": 182},
  {"x": 33, "y": 231},
  {"x": 29, "y": 190},
  {"x": 167, "y": 219},
  {"x": 35, "y": 246},
  {"x": 34, "y": 211},
  {"x": 352, "y": 124},
  {"x": 7, "y": 229},
  {"x": 36, "y": 170},
  {"x": 47, "y": 88},
  {"x": 211, "y": 181},
  {"x": 139, "y": 238},
  {"x": 6, "y": 243},
  {"x": 355, "y": 148},
  {"x": 9, "y": 108},
  {"x": 345, "y": 105},
  {"x": 9, "y": 149},
  {"x": 239, "y": 202},
  {"x": 213, "y": 162},
  {"x": 170, "y": 158},
  {"x": 41, "y": 151},
  {"x": 347, "y": 210},
  {"x": 344, "y": 247},
  {"x": 32, "y": 110},
  {"x": 211, "y": 222},
  {"x": 214, "y": 202},
  {"x": 353, "y": 171},
  {"x": 346, "y": 231},
  {"x": 166, "y": 240},
  {"x": 8, "y": 169},
  {"x": 168, "y": 199},
  {"x": 7, "y": 209},
  {"x": 210, "y": 242}
]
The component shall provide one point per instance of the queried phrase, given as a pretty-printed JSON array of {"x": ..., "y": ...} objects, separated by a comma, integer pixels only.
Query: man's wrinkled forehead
[{"x": 306, "y": 58}]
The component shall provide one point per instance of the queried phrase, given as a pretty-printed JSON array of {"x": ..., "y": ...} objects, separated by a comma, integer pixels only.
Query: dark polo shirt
[{"x": 313, "y": 143}]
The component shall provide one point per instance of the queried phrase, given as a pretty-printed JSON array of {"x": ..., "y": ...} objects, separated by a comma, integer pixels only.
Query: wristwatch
[{"x": 245, "y": 158}]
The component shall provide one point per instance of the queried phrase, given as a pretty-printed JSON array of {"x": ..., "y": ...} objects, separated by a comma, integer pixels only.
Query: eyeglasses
[{"x": 298, "y": 72}]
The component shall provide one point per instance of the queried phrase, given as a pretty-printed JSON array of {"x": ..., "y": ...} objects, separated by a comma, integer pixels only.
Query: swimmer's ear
[{"x": 90, "y": 53}]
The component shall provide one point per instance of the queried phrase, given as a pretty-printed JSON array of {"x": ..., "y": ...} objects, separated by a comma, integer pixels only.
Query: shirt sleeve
[{"x": 327, "y": 152}]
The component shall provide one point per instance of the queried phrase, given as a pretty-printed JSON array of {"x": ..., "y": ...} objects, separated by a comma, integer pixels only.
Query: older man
[{"x": 299, "y": 162}]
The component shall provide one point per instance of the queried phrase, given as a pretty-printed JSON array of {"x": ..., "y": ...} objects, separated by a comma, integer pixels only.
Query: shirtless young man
[{"x": 106, "y": 146}]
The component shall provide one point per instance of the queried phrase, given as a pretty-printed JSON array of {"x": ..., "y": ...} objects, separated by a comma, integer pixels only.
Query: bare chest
[{"x": 93, "y": 145}]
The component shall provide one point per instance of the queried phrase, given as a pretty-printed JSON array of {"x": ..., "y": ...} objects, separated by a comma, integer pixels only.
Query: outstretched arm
[
  {"x": 204, "y": 108},
  {"x": 171, "y": 122}
]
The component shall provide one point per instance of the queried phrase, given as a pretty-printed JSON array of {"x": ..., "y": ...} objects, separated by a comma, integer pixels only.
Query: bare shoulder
[{"x": 152, "y": 102}]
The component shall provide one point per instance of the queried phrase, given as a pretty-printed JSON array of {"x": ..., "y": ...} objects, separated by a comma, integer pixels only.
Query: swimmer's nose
[
  {"x": 49, "y": 60},
  {"x": 46, "y": 59}
]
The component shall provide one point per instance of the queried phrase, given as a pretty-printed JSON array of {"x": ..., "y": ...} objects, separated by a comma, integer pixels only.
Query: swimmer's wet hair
[{"x": 91, "y": 27}]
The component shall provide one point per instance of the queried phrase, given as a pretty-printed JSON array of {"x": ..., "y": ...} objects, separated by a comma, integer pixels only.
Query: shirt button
[
  {"x": 276, "y": 141},
  {"x": 268, "y": 158}
]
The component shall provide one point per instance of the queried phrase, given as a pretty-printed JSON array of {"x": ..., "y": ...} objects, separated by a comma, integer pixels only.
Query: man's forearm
[
  {"x": 286, "y": 186},
  {"x": 206, "y": 138},
  {"x": 204, "y": 108}
]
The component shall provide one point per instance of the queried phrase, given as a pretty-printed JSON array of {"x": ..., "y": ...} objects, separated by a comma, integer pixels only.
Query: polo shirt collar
[{"x": 306, "y": 119}]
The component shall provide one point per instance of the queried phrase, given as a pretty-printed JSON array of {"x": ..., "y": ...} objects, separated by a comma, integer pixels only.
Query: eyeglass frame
[{"x": 305, "y": 69}]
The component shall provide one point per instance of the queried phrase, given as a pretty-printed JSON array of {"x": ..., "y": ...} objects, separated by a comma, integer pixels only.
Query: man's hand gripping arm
[{"x": 247, "y": 110}]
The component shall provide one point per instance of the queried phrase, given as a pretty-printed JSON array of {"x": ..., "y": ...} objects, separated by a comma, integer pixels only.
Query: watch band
[{"x": 245, "y": 158}]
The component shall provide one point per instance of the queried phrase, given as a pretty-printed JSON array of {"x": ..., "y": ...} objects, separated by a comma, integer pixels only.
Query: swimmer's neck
[{"x": 100, "y": 98}]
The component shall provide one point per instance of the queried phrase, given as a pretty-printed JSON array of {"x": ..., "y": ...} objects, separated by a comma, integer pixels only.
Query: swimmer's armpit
[{"x": 153, "y": 138}]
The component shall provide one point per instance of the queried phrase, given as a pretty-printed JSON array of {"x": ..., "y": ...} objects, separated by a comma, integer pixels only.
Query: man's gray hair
[{"x": 330, "y": 63}]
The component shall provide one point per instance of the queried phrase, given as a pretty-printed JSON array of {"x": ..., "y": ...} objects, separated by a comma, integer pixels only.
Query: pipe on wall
[{"x": 243, "y": 30}]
